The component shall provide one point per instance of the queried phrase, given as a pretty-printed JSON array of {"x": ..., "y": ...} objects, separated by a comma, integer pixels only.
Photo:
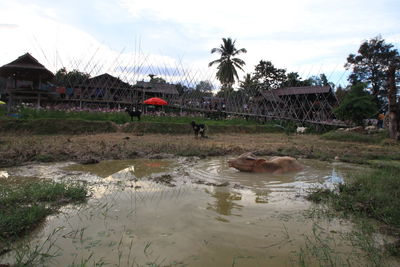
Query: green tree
[
  {"x": 70, "y": 78},
  {"x": 154, "y": 79},
  {"x": 320, "y": 80},
  {"x": 268, "y": 77},
  {"x": 340, "y": 93},
  {"x": 205, "y": 87},
  {"x": 293, "y": 80},
  {"x": 357, "y": 105},
  {"x": 225, "y": 91},
  {"x": 228, "y": 63},
  {"x": 370, "y": 65},
  {"x": 248, "y": 87},
  {"x": 182, "y": 89}
]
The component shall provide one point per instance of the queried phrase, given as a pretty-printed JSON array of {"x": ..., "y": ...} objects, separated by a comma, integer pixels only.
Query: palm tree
[{"x": 228, "y": 62}]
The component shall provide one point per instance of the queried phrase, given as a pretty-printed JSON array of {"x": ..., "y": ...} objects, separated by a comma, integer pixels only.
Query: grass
[
  {"x": 355, "y": 137},
  {"x": 24, "y": 205},
  {"x": 55, "y": 126},
  {"x": 324, "y": 247},
  {"x": 374, "y": 195},
  {"x": 122, "y": 117},
  {"x": 33, "y": 114},
  {"x": 50, "y": 122}
]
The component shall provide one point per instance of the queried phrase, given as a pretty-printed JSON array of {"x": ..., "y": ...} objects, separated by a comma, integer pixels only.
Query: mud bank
[{"x": 17, "y": 149}]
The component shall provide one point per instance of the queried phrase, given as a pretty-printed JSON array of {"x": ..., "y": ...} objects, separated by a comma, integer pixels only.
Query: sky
[{"x": 173, "y": 39}]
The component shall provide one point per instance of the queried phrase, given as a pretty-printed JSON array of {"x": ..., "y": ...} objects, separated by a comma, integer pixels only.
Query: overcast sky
[{"x": 307, "y": 36}]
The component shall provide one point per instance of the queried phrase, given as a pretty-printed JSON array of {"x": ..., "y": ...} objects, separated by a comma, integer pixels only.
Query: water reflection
[
  {"x": 334, "y": 178},
  {"x": 225, "y": 201},
  {"x": 261, "y": 197}
]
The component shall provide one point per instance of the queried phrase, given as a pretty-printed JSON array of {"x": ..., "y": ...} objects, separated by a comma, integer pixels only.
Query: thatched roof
[
  {"x": 105, "y": 81},
  {"x": 161, "y": 88},
  {"x": 26, "y": 67}
]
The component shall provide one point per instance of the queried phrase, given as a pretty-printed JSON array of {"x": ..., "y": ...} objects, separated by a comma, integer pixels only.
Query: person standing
[{"x": 381, "y": 118}]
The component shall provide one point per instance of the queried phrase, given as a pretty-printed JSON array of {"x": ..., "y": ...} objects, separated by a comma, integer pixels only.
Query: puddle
[{"x": 162, "y": 212}]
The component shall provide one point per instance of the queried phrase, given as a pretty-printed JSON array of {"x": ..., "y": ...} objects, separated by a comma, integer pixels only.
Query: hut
[
  {"x": 104, "y": 89},
  {"x": 26, "y": 80},
  {"x": 165, "y": 91},
  {"x": 303, "y": 104}
]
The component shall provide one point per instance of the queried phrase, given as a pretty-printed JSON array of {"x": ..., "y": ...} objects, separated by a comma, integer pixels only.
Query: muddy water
[{"x": 186, "y": 211}]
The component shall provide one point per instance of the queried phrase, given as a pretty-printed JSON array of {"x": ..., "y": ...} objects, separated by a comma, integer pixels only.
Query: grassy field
[{"x": 122, "y": 117}]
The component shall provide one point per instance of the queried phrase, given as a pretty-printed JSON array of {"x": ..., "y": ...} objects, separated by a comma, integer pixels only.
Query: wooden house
[
  {"x": 26, "y": 80},
  {"x": 307, "y": 103},
  {"x": 165, "y": 91},
  {"x": 102, "y": 90}
]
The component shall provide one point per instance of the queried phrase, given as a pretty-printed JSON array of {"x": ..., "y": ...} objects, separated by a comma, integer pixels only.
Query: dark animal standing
[
  {"x": 134, "y": 113},
  {"x": 199, "y": 129}
]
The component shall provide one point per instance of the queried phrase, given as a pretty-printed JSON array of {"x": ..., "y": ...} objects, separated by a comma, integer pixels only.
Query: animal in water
[
  {"x": 301, "y": 130},
  {"x": 248, "y": 162},
  {"x": 198, "y": 129},
  {"x": 134, "y": 113}
]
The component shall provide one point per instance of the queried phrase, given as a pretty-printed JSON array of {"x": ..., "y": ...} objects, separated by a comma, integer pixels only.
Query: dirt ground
[{"x": 20, "y": 149}]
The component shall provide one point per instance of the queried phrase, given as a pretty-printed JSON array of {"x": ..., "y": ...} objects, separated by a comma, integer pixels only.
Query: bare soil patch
[{"x": 23, "y": 148}]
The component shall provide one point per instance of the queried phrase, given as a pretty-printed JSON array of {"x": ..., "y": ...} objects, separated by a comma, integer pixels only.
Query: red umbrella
[{"x": 155, "y": 101}]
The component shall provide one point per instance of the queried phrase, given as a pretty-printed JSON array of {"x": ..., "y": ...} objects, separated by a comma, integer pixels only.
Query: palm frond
[
  {"x": 219, "y": 50},
  {"x": 238, "y": 61},
  {"x": 237, "y": 52},
  {"x": 214, "y": 62}
]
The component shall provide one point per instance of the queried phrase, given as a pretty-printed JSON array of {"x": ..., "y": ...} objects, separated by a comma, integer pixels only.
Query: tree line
[{"x": 372, "y": 88}]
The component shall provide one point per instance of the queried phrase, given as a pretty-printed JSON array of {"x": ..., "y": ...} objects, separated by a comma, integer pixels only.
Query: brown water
[{"x": 134, "y": 219}]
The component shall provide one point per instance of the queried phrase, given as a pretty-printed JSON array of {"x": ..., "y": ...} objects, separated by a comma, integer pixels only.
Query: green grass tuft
[
  {"x": 374, "y": 195},
  {"x": 19, "y": 219},
  {"x": 23, "y": 206}
]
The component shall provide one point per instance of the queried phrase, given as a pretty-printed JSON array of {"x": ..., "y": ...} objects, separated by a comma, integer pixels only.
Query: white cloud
[
  {"x": 58, "y": 45},
  {"x": 304, "y": 35}
]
